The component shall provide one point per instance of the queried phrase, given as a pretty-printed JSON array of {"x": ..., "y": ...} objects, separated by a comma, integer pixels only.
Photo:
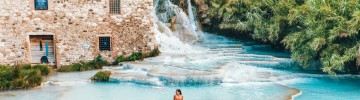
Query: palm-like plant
[{"x": 313, "y": 30}]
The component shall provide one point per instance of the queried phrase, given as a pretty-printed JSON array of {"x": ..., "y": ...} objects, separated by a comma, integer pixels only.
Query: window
[
  {"x": 41, "y": 4},
  {"x": 104, "y": 43},
  {"x": 114, "y": 6}
]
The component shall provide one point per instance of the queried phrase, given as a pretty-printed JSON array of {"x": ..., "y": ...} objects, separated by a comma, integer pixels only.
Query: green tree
[{"x": 313, "y": 30}]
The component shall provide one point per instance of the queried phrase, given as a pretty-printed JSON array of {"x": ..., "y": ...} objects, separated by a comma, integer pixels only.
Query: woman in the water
[{"x": 178, "y": 95}]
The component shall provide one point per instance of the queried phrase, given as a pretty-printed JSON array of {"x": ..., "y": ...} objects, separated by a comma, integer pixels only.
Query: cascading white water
[
  {"x": 184, "y": 31},
  {"x": 191, "y": 15},
  {"x": 178, "y": 66}
]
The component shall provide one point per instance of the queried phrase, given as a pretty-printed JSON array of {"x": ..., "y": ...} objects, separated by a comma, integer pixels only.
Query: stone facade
[{"x": 74, "y": 23}]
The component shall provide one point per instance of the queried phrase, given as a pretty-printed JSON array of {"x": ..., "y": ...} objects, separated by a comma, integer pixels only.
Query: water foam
[
  {"x": 66, "y": 83},
  {"x": 184, "y": 33},
  {"x": 212, "y": 60}
]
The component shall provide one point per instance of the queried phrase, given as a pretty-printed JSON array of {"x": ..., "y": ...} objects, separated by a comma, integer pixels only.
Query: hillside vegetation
[{"x": 325, "y": 31}]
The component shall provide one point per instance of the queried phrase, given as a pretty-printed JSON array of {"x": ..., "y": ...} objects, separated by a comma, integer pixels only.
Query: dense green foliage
[
  {"x": 119, "y": 59},
  {"x": 101, "y": 76},
  {"x": 44, "y": 69},
  {"x": 313, "y": 30},
  {"x": 132, "y": 57},
  {"x": 98, "y": 63},
  {"x": 22, "y": 76},
  {"x": 136, "y": 56}
]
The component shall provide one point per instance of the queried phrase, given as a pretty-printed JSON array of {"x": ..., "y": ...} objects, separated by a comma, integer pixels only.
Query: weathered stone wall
[{"x": 73, "y": 24}]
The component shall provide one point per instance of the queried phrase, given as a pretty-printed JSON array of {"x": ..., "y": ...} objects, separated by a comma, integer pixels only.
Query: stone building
[{"x": 69, "y": 31}]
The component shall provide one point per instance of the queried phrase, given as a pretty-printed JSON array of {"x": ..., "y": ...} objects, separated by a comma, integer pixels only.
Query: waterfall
[
  {"x": 175, "y": 30},
  {"x": 191, "y": 15}
]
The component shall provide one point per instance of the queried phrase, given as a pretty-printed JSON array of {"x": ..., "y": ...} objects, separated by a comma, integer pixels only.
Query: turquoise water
[
  {"x": 328, "y": 89},
  {"x": 217, "y": 68},
  {"x": 76, "y": 89}
]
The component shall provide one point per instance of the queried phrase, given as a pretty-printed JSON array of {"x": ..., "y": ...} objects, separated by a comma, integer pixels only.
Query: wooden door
[{"x": 40, "y": 45}]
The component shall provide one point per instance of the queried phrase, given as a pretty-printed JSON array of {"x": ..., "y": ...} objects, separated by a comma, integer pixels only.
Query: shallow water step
[
  {"x": 249, "y": 59},
  {"x": 223, "y": 46},
  {"x": 135, "y": 77},
  {"x": 222, "y": 42},
  {"x": 226, "y": 51},
  {"x": 235, "y": 50},
  {"x": 270, "y": 64}
]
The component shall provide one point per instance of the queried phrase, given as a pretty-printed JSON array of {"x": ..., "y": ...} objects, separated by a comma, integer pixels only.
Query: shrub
[
  {"x": 135, "y": 56},
  {"x": 26, "y": 66},
  {"x": 154, "y": 52},
  {"x": 76, "y": 66},
  {"x": 16, "y": 71},
  {"x": 65, "y": 69},
  {"x": 91, "y": 64},
  {"x": 44, "y": 69},
  {"x": 71, "y": 68},
  {"x": 5, "y": 75},
  {"x": 119, "y": 59},
  {"x": 100, "y": 59},
  {"x": 85, "y": 66},
  {"x": 4, "y": 84},
  {"x": 22, "y": 76},
  {"x": 101, "y": 76},
  {"x": 28, "y": 78},
  {"x": 98, "y": 63},
  {"x": 17, "y": 84}
]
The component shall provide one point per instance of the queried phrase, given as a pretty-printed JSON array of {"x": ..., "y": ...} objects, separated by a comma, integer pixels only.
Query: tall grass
[
  {"x": 98, "y": 63},
  {"x": 101, "y": 76},
  {"x": 22, "y": 76},
  {"x": 136, "y": 56}
]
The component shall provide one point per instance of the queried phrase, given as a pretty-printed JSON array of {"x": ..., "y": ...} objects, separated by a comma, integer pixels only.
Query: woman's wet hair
[{"x": 178, "y": 90}]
